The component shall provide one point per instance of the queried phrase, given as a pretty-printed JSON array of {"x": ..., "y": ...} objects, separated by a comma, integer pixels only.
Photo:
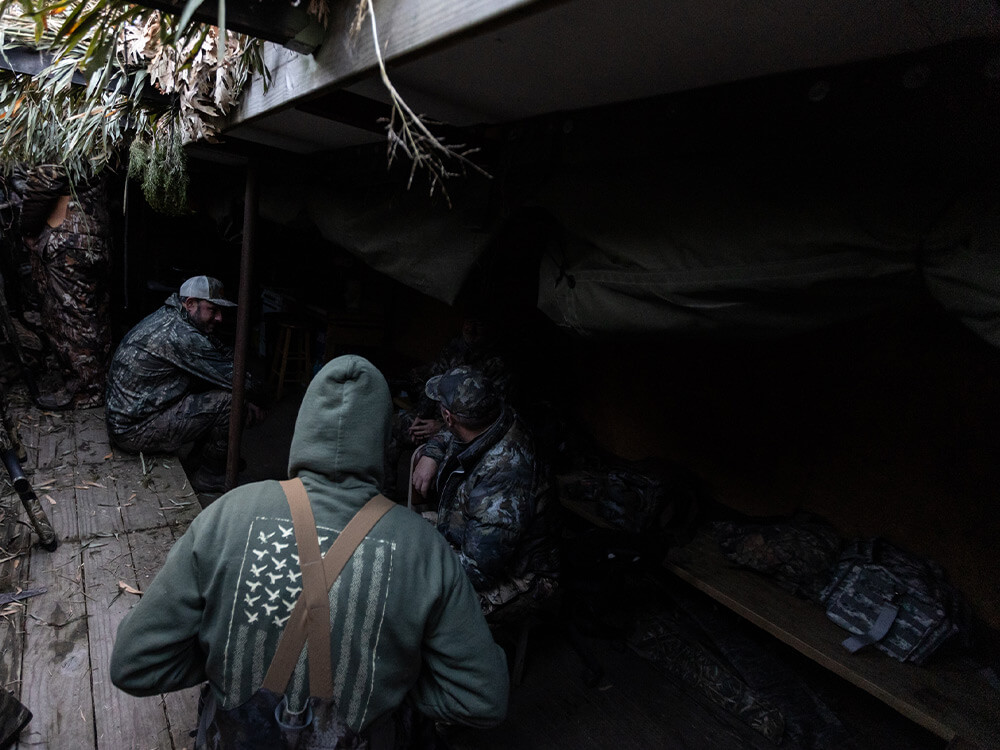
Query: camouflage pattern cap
[
  {"x": 205, "y": 287},
  {"x": 465, "y": 392}
]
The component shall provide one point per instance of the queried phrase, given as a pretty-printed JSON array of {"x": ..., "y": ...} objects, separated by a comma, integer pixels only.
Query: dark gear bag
[
  {"x": 798, "y": 553},
  {"x": 890, "y": 598},
  {"x": 264, "y": 722}
]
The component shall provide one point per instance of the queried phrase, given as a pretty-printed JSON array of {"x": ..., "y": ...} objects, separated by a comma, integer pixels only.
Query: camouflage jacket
[
  {"x": 159, "y": 362},
  {"x": 491, "y": 496}
]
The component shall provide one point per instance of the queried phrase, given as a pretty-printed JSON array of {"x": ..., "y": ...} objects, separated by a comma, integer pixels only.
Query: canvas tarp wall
[
  {"x": 420, "y": 242},
  {"x": 639, "y": 251}
]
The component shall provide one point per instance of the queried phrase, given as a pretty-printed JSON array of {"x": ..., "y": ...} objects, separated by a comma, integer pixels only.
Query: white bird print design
[
  {"x": 260, "y": 553},
  {"x": 269, "y": 608},
  {"x": 257, "y": 570},
  {"x": 293, "y": 576},
  {"x": 293, "y": 590},
  {"x": 279, "y": 621},
  {"x": 279, "y": 564},
  {"x": 271, "y": 595},
  {"x": 278, "y": 546},
  {"x": 285, "y": 533},
  {"x": 275, "y": 577},
  {"x": 251, "y": 617},
  {"x": 250, "y": 599},
  {"x": 252, "y": 585},
  {"x": 264, "y": 537}
]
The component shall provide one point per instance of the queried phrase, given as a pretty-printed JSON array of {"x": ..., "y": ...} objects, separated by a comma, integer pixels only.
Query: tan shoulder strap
[{"x": 310, "y": 617}]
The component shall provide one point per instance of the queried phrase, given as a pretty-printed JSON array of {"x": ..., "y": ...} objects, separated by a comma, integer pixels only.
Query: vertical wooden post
[{"x": 242, "y": 326}]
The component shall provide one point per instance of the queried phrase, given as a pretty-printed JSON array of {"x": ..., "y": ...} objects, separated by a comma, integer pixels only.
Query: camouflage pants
[
  {"x": 71, "y": 270},
  {"x": 201, "y": 418}
]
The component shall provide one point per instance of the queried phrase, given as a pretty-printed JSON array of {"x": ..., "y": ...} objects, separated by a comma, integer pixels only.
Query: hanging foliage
[
  {"x": 160, "y": 166},
  {"x": 116, "y": 73},
  {"x": 120, "y": 73}
]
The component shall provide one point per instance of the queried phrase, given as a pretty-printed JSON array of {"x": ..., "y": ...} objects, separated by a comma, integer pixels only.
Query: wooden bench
[{"x": 949, "y": 696}]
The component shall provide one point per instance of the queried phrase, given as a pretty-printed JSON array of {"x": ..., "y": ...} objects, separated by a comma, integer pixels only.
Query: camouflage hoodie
[
  {"x": 405, "y": 620},
  {"x": 160, "y": 361}
]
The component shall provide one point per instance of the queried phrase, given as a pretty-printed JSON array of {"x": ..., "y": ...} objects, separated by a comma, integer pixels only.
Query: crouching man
[
  {"x": 406, "y": 636},
  {"x": 171, "y": 383}
]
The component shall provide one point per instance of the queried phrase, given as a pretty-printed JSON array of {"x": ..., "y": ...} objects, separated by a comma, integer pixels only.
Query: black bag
[
  {"x": 890, "y": 598},
  {"x": 13, "y": 718}
]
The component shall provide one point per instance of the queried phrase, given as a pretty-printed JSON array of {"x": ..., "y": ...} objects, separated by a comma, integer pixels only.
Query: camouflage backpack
[{"x": 892, "y": 599}]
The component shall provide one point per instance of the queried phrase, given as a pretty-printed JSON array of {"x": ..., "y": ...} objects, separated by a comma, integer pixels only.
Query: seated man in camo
[
  {"x": 171, "y": 380},
  {"x": 492, "y": 493}
]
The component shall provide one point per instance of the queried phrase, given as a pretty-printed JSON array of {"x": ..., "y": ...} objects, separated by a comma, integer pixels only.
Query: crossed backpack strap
[{"x": 310, "y": 617}]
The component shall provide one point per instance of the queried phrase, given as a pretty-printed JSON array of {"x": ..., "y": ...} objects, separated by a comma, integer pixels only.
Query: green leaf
[
  {"x": 85, "y": 28},
  {"x": 221, "y": 39},
  {"x": 68, "y": 25},
  {"x": 189, "y": 8}
]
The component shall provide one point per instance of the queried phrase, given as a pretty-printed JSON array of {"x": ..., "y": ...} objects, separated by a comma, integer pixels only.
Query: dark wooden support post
[{"x": 242, "y": 327}]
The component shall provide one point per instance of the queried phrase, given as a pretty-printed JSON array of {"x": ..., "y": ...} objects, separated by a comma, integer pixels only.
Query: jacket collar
[{"x": 469, "y": 454}]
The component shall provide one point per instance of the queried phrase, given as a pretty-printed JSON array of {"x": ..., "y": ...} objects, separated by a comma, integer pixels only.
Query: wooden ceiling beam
[
  {"x": 271, "y": 20},
  {"x": 405, "y": 27}
]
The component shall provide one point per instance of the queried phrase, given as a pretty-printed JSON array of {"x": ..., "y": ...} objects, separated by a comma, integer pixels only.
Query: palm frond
[{"x": 124, "y": 53}]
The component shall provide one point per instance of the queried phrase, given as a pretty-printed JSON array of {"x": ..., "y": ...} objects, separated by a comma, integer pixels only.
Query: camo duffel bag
[{"x": 893, "y": 600}]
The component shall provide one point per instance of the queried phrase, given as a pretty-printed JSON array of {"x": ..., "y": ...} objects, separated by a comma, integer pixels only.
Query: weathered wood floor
[{"x": 116, "y": 517}]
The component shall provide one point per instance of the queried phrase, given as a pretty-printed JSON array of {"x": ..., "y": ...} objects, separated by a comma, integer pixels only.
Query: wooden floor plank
[
  {"x": 136, "y": 497},
  {"x": 91, "y": 437},
  {"x": 182, "y": 716},
  {"x": 178, "y": 500},
  {"x": 149, "y": 550},
  {"x": 56, "y": 662},
  {"x": 181, "y": 706},
  {"x": 122, "y": 722},
  {"x": 99, "y": 513},
  {"x": 158, "y": 496},
  {"x": 53, "y": 446},
  {"x": 95, "y": 497}
]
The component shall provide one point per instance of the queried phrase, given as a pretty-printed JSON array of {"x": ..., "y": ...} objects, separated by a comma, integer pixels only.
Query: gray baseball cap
[{"x": 205, "y": 287}]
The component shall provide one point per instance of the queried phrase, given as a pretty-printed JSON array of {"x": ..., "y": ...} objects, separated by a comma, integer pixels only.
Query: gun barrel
[{"x": 46, "y": 534}]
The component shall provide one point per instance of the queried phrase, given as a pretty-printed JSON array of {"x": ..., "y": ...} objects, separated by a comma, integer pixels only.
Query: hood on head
[{"x": 343, "y": 423}]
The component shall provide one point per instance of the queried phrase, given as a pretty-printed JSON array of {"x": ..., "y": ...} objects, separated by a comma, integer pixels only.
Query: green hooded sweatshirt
[{"x": 405, "y": 620}]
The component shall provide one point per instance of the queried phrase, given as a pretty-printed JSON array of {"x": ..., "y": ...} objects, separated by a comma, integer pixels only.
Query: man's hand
[
  {"x": 255, "y": 415},
  {"x": 423, "y": 474},
  {"x": 423, "y": 430}
]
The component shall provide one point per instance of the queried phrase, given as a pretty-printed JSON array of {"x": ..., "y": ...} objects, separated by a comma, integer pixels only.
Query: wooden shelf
[{"x": 949, "y": 696}]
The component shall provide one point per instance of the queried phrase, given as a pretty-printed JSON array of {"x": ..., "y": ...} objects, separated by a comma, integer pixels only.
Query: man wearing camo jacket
[
  {"x": 492, "y": 493},
  {"x": 170, "y": 383}
]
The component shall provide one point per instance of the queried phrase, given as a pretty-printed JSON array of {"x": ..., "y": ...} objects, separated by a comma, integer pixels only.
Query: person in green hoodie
[{"x": 406, "y": 631}]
